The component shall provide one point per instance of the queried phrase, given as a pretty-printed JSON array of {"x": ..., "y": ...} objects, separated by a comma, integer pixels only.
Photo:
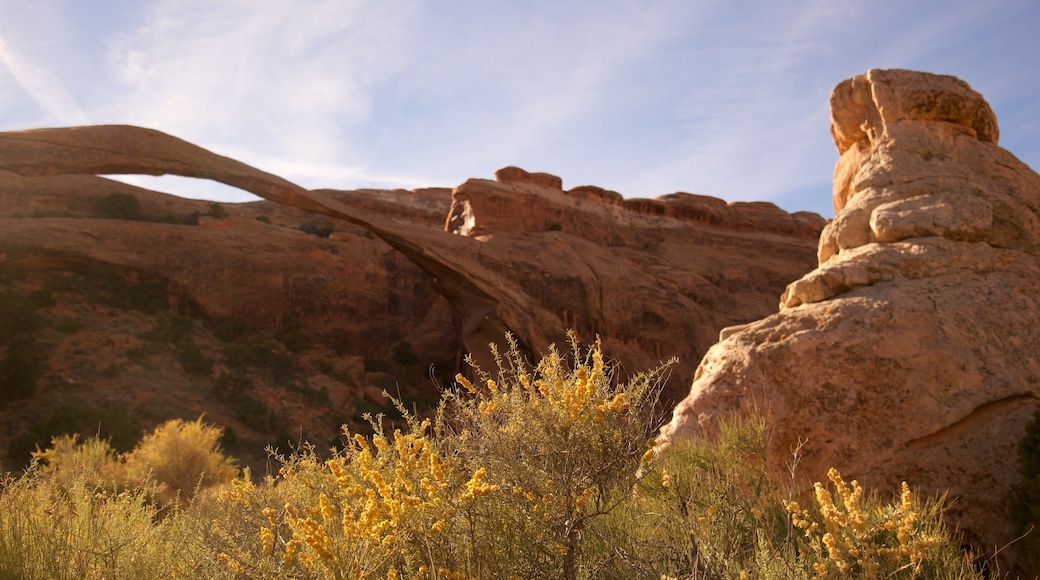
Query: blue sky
[{"x": 646, "y": 97}]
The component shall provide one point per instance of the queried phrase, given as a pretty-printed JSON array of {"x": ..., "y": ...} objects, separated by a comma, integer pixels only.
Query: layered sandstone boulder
[{"x": 911, "y": 352}]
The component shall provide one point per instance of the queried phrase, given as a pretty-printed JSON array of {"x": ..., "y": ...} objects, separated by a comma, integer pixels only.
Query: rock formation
[
  {"x": 520, "y": 254},
  {"x": 911, "y": 352}
]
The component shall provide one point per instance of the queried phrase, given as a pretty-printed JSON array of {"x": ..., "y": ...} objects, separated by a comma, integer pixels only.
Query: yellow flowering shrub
[
  {"x": 713, "y": 509},
  {"x": 386, "y": 506},
  {"x": 179, "y": 457},
  {"x": 848, "y": 535},
  {"x": 535, "y": 471},
  {"x": 562, "y": 441},
  {"x": 64, "y": 524}
]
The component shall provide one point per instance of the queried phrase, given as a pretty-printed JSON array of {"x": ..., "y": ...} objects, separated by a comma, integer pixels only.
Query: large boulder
[{"x": 911, "y": 352}]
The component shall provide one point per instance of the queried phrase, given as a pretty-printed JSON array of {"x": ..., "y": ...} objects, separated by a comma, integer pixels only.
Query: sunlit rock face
[
  {"x": 446, "y": 271},
  {"x": 911, "y": 351}
]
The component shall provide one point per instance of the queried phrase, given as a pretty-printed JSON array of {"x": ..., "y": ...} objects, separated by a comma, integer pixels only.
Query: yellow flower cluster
[
  {"x": 476, "y": 487},
  {"x": 852, "y": 537},
  {"x": 403, "y": 475},
  {"x": 383, "y": 487}
]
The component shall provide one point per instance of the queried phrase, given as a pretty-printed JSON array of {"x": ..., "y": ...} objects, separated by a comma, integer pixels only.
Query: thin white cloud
[
  {"x": 44, "y": 88},
  {"x": 285, "y": 78},
  {"x": 750, "y": 109},
  {"x": 645, "y": 97}
]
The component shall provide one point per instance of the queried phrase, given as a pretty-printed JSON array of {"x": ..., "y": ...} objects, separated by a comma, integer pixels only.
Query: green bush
[
  {"x": 317, "y": 229},
  {"x": 41, "y": 298},
  {"x": 231, "y": 330},
  {"x": 1025, "y": 509},
  {"x": 241, "y": 355},
  {"x": 119, "y": 205},
  {"x": 191, "y": 358},
  {"x": 236, "y": 391},
  {"x": 402, "y": 354},
  {"x": 114, "y": 423},
  {"x": 68, "y": 325},
  {"x": 20, "y": 370},
  {"x": 216, "y": 210},
  {"x": 291, "y": 336},
  {"x": 105, "y": 284},
  {"x": 20, "y": 322},
  {"x": 188, "y": 219},
  {"x": 170, "y": 329}
]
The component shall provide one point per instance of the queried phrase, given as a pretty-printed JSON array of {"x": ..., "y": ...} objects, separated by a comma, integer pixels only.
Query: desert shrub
[
  {"x": 170, "y": 329},
  {"x": 72, "y": 529},
  {"x": 381, "y": 504},
  {"x": 104, "y": 284},
  {"x": 563, "y": 441},
  {"x": 188, "y": 219},
  {"x": 41, "y": 298},
  {"x": 711, "y": 509},
  {"x": 68, "y": 325},
  {"x": 374, "y": 365},
  {"x": 231, "y": 330},
  {"x": 68, "y": 460},
  {"x": 20, "y": 323},
  {"x": 113, "y": 424},
  {"x": 243, "y": 355},
  {"x": 291, "y": 336},
  {"x": 533, "y": 472},
  {"x": 230, "y": 386},
  {"x": 253, "y": 413},
  {"x": 191, "y": 358},
  {"x": 848, "y": 535},
  {"x": 119, "y": 205},
  {"x": 503, "y": 481},
  {"x": 20, "y": 370},
  {"x": 1025, "y": 509},
  {"x": 282, "y": 366},
  {"x": 317, "y": 229},
  {"x": 180, "y": 457},
  {"x": 216, "y": 210},
  {"x": 235, "y": 390},
  {"x": 402, "y": 354}
]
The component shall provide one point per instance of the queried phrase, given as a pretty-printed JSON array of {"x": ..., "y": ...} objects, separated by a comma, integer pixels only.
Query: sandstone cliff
[
  {"x": 910, "y": 353},
  {"x": 428, "y": 275}
]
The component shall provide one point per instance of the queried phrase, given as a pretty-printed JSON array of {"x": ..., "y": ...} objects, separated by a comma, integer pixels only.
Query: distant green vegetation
[
  {"x": 21, "y": 357},
  {"x": 322, "y": 230},
  {"x": 105, "y": 284},
  {"x": 114, "y": 424},
  {"x": 119, "y": 206},
  {"x": 125, "y": 206}
]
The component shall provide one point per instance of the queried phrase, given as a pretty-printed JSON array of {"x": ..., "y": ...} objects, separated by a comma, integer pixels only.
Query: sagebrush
[{"x": 543, "y": 470}]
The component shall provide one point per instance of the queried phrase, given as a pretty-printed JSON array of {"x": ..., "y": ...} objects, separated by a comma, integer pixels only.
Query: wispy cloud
[
  {"x": 287, "y": 79},
  {"x": 45, "y": 89},
  {"x": 642, "y": 96}
]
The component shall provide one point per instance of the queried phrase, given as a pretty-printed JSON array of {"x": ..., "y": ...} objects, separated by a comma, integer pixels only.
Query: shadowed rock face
[
  {"x": 654, "y": 278},
  {"x": 911, "y": 352}
]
